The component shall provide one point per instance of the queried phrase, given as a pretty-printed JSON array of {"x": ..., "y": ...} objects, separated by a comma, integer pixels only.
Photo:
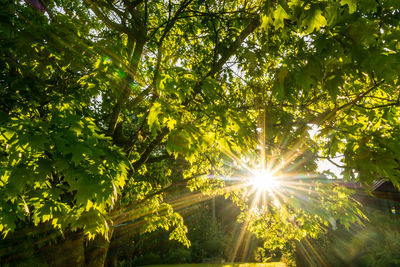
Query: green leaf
[
  {"x": 44, "y": 167},
  {"x": 333, "y": 84},
  {"x": 178, "y": 142},
  {"x": 368, "y": 5},
  {"x": 171, "y": 122},
  {"x": 314, "y": 20},
  {"x": 152, "y": 119},
  {"x": 332, "y": 13},
  {"x": 78, "y": 152},
  {"x": 279, "y": 88},
  {"x": 352, "y": 4},
  {"x": 280, "y": 15},
  {"x": 265, "y": 22}
]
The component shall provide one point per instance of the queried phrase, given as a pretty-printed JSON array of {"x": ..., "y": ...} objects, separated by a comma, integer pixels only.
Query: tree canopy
[{"x": 106, "y": 106}]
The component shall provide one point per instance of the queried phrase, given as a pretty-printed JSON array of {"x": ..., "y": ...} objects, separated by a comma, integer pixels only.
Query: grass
[{"x": 270, "y": 264}]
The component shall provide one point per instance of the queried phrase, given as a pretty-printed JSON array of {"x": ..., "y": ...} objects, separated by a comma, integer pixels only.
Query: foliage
[
  {"x": 291, "y": 219},
  {"x": 375, "y": 244},
  {"x": 37, "y": 161},
  {"x": 211, "y": 239},
  {"x": 106, "y": 106},
  {"x": 318, "y": 75}
]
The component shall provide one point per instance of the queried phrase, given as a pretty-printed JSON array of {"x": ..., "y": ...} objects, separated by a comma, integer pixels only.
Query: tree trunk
[
  {"x": 115, "y": 243},
  {"x": 68, "y": 251},
  {"x": 96, "y": 251},
  {"x": 42, "y": 246}
]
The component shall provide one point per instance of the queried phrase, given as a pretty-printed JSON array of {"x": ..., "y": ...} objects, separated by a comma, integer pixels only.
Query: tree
[{"x": 108, "y": 105}]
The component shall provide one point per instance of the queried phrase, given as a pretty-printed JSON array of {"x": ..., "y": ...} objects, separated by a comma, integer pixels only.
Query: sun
[{"x": 264, "y": 180}]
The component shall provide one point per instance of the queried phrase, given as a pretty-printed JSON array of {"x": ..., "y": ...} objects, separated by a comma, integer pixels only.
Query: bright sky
[{"x": 323, "y": 164}]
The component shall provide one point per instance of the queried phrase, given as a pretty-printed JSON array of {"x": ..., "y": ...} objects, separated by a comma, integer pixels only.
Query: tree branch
[
  {"x": 168, "y": 27},
  {"x": 131, "y": 142},
  {"x": 334, "y": 163},
  {"x": 254, "y": 23},
  {"x": 111, "y": 24},
  {"x": 329, "y": 114},
  {"x": 126, "y": 91},
  {"x": 379, "y": 106},
  {"x": 119, "y": 216},
  {"x": 159, "y": 158},
  {"x": 146, "y": 154}
]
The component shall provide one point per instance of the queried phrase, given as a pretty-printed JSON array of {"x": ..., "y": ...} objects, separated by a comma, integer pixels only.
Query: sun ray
[{"x": 244, "y": 227}]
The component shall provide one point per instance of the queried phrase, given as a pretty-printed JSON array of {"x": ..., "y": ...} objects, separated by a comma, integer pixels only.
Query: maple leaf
[
  {"x": 280, "y": 15},
  {"x": 314, "y": 20}
]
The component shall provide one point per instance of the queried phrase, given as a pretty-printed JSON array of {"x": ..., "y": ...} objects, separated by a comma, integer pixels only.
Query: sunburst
[{"x": 264, "y": 180}]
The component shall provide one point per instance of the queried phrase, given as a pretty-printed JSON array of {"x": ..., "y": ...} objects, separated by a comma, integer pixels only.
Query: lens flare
[{"x": 264, "y": 180}]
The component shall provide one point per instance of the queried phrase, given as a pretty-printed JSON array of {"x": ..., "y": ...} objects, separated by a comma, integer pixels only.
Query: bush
[
  {"x": 146, "y": 259},
  {"x": 375, "y": 244},
  {"x": 178, "y": 255}
]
